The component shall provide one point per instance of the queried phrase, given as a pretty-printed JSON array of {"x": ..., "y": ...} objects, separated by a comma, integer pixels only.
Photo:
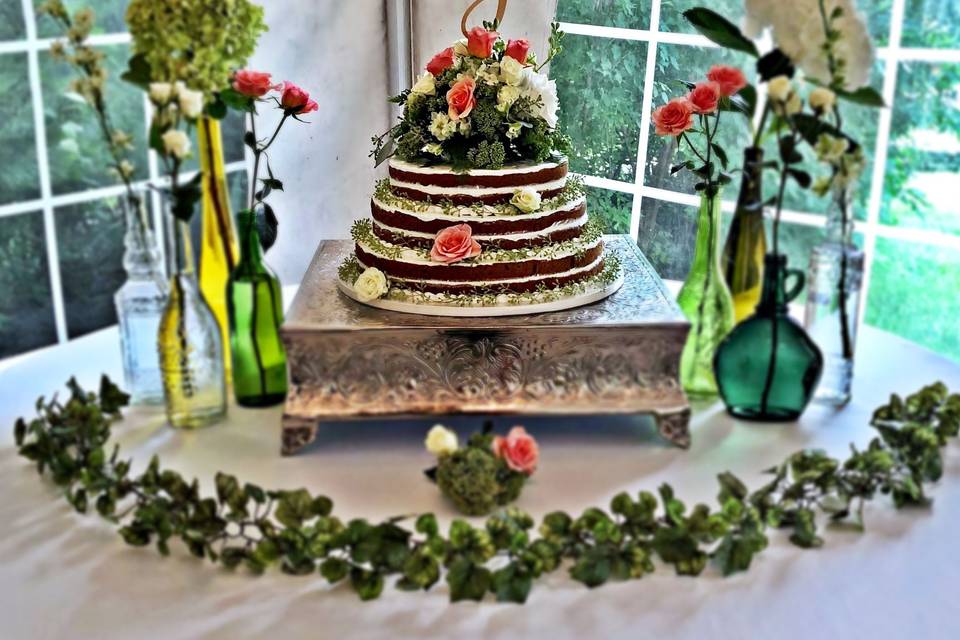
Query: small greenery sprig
[{"x": 246, "y": 525}]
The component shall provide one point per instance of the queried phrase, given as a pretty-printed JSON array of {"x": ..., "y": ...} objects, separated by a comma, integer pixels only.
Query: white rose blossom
[
  {"x": 441, "y": 441},
  {"x": 779, "y": 88},
  {"x": 371, "y": 284},
  {"x": 176, "y": 143},
  {"x": 822, "y": 99},
  {"x": 426, "y": 85},
  {"x": 526, "y": 199},
  {"x": 191, "y": 103},
  {"x": 160, "y": 92},
  {"x": 511, "y": 71}
]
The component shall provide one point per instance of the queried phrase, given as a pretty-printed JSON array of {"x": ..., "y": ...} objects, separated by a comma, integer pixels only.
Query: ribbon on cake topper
[{"x": 501, "y": 8}]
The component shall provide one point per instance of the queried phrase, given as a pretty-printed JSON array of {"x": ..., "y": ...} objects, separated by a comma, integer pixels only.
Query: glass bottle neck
[
  {"x": 141, "y": 257},
  {"x": 774, "y": 298},
  {"x": 251, "y": 253},
  {"x": 750, "y": 198},
  {"x": 707, "y": 254},
  {"x": 840, "y": 218}
]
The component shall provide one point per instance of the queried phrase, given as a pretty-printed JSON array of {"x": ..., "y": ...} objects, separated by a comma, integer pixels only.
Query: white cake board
[{"x": 453, "y": 311}]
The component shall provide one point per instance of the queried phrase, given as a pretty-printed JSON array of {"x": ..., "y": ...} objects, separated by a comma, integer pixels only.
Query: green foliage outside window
[{"x": 26, "y": 306}]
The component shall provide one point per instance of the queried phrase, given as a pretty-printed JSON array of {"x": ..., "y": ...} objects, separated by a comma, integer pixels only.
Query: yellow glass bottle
[
  {"x": 746, "y": 245},
  {"x": 219, "y": 251}
]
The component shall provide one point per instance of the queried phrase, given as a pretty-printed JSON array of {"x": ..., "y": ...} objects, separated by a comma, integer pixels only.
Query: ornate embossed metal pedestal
[{"x": 617, "y": 356}]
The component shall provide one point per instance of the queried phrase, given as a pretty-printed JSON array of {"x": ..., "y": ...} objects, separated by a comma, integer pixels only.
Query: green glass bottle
[
  {"x": 255, "y": 310},
  {"x": 746, "y": 246},
  {"x": 706, "y": 301},
  {"x": 768, "y": 368}
]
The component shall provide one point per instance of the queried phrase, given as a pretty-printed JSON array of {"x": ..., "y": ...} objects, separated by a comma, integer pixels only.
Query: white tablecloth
[{"x": 67, "y": 576}]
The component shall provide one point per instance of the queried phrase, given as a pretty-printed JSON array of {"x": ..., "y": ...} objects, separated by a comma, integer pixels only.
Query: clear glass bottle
[
  {"x": 707, "y": 303},
  {"x": 768, "y": 366},
  {"x": 219, "y": 252},
  {"x": 833, "y": 304},
  {"x": 255, "y": 306},
  {"x": 746, "y": 245},
  {"x": 189, "y": 341},
  {"x": 140, "y": 303}
]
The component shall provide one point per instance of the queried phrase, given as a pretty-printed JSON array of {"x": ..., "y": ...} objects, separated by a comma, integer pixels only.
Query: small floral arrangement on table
[
  {"x": 481, "y": 103},
  {"x": 489, "y": 472}
]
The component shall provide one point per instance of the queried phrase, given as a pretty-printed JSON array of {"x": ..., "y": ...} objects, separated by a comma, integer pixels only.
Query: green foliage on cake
[{"x": 482, "y": 103}]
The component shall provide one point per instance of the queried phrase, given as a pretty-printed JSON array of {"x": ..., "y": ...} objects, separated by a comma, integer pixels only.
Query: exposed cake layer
[
  {"x": 558, "y": 232},
  {"x": 512, "y": 285},
  {"x": 435, "y": 219},
  {"x": 443, "y": 184},
  {"x": 515, "y": 176}
]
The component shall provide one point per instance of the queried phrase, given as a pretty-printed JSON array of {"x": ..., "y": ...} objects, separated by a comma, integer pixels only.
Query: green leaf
[
  {"x": 334, "y": 569},
  {"x": 294, "y": 507},
  {"x": 592, "y": 568},
  {"x": 802, "y": 177},
  {"x": 267, "y": 225},
  {"x": 720, "y": 30},
  {"x": 112, "y": 398},
  {"x": 237, "y": 101},
  {"x": 367, "y": 584},
  {"x": 731, "y": 486},
  {"x": 216, "y": 109},
  {"x": 138, "y": 72},
  {"x": 427, "y": 525},
  {"x": 866, "y": 96},
  {"x": 467, "y": 580},
  {"x": 511, "y": 584}
]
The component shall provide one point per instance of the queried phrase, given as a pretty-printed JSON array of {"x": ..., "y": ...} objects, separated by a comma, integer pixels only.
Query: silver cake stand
[{"x": 349, "y": 361}]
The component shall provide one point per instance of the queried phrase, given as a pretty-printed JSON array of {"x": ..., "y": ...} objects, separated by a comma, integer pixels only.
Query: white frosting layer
[
  {"x": 515, "y": 169},
  {"x": 469, "y": 214},
  {"x": 476, "y": 192},
  {"x": 548, "y": 252},
  {"x": 494, "y": 283},
  {"x": 555, "y": 227}
]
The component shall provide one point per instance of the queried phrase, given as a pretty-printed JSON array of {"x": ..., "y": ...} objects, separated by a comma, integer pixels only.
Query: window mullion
[{"x": 645, "y": 112}]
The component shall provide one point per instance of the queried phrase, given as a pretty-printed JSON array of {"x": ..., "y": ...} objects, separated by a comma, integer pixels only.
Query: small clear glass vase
[
  {"x": 707, "y": 304},
  {"x": 833, "y": 305},
  {"x": 189, "y": 341},
  {"x": 140, "y": 303}
]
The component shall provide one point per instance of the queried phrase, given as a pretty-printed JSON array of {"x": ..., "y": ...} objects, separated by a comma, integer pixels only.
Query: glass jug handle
[{"x": 800, "y": 279}]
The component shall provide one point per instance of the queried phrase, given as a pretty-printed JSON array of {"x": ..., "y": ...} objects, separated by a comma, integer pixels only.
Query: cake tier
[{"x": 487, "y": 186}]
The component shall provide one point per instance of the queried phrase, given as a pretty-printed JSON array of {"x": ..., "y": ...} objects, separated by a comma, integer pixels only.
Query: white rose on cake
[
  {"x": 526, "y": 199},
  {"x": 511, "y": 71},
  {"x": 371, "y": 284},
  {"x": 537, "y": 85},
  {"x": 426, "y": 85},
  {"x": 441, "y": 440}
]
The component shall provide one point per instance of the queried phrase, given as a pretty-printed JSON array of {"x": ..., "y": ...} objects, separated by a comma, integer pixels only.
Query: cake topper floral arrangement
[
  {"x": 489, "y": 471},
  {"x": 480, "y": 103}
]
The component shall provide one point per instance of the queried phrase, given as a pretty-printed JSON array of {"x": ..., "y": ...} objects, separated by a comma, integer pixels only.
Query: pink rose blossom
[
  {"x": 295, "y": 100},
  {"x": 704, "y": 97},
  {"x": 673, "y": 118},
  {"x": 253, "y": 84},
  {"x": 454, "y": 244},
  {"x": 730, "y": 79},
  {"x": 441, "y": 62},
  {"x": 480, "y": 42},
  {"x": 460, "y": 98},
  {"x": 518, "y": 50},
  {"x": 519, "y": 450}
]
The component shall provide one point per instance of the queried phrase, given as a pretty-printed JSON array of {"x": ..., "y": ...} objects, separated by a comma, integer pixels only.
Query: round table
[{"x": 69, "y": 576}]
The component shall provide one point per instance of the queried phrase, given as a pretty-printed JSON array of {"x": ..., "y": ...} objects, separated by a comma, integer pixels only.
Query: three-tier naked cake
[{"x": 479, "y": 215}]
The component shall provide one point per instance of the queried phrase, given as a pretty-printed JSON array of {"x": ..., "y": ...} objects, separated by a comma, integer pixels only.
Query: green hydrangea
[
  {"x": 476, "y": 481},
  {"x": 201, "y": 42},
  {"x": 487, "y": 155}
]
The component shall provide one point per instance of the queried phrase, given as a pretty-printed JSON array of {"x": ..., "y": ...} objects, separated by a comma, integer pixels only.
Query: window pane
[
  {"x": 667, "y": 236},
  {"x": 26, "y": 308},
  {"x": 79, "y": 158},
  {"x": 631, "y": 14},
  {"x": 600, "y": 110},
  {"x": 19, "y": 179},
  {"x": 613, "y": 207},
  {"x": 237, "y": 185},
  {"x": 233, "y": 127},
  {"x": 913, "y": 293},
  {"x": 682, "y": 62},
  {"x": 11, "y": 20},
  {"x": 931, "y": 23},
  {"x": 671, "y": 13},
  {"x": 90, "y": 242},
  {"x": 109, "y": 16},
  {"x": 924, "y": 160}
]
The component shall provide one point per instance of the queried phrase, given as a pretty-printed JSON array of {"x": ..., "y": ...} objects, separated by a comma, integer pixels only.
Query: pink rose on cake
[
  {"x": 295, "y": 100},
  {"x": 519, "y": 450},
  {"x": 518, "y": 50},
  {"x": 441, "y": 62},
  {"x": 460, "y": 98},
  {"x": 480, "y": 42},
  {"x": 454, "y": 244},
  {"x": 253, "y": 84}
]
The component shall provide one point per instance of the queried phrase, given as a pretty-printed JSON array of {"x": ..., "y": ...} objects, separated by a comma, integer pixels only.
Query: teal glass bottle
[
  {"x": 768, "y": 367},
  {"x": 255, "y": 312},
  {"x": 706, "y": 301}
]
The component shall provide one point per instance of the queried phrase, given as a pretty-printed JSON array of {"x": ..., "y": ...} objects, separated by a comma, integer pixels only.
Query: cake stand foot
[
  {"x": 674, "y": 426},
  {"x": 297, "y": 433}
]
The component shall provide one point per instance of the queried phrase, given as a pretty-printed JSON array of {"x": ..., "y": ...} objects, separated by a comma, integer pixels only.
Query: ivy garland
[{"x": 247, "y": 525}]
